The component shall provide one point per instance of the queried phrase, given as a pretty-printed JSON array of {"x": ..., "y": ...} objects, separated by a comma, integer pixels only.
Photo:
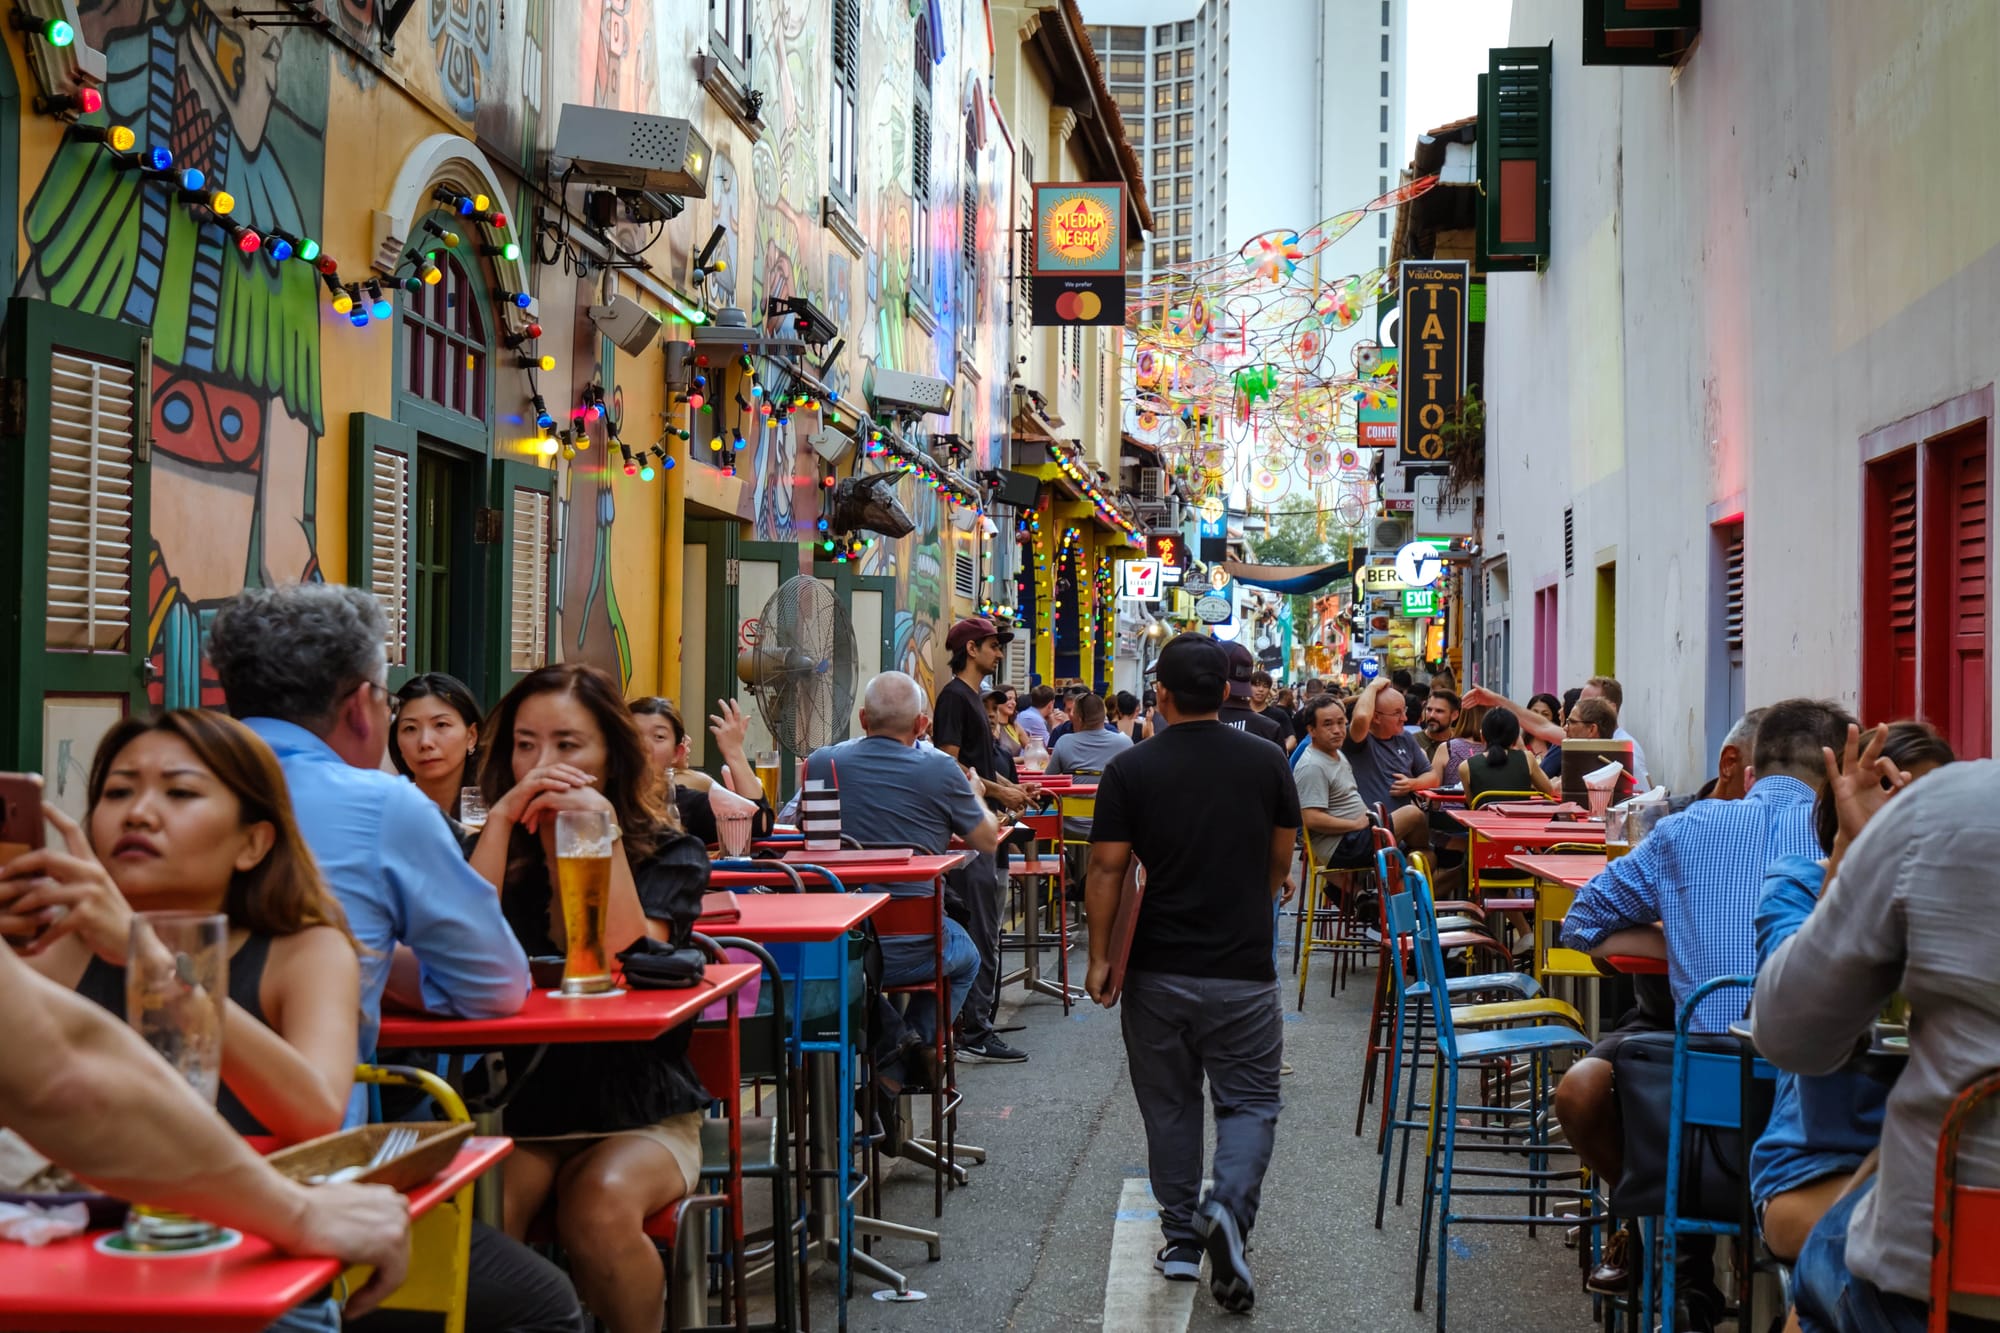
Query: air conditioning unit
[
  {"x": 1154, "y": 487},
  {"x": 1389, "y": 534}
]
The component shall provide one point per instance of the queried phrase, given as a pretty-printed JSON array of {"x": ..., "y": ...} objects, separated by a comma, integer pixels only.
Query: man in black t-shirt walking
[
  {"x": 1236, "y": 709},
  {"x": 960, "y": 728},
  {"x": 1211, "y": 814}
]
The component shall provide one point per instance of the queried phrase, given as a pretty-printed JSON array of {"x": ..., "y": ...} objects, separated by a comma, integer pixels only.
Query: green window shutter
[
  {"x": 525, "y": 497},
  {"x": 1514, "y": 133},
  {"x": 1638, "y": 32},
  {"x": 75, "y": 493},
  {"x": 381, "y": 496}
]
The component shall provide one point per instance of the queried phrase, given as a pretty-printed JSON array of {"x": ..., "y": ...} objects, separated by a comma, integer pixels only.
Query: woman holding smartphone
[{"x": 189, "y": 812}]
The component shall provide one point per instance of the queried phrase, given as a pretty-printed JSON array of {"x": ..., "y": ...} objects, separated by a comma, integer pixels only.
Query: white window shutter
[
  {"x": 91, "y": 407},
  {"x": 1018, "y": 666},
  {"x": 528, "y": 580},
  {"x": 389, "y": 546}
]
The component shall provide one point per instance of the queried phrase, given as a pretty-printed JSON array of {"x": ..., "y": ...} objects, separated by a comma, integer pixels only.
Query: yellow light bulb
[
  {"x": 121, "y": 138},
  {"x": 433, "y": 274},
  {"x": 222, "y": 203},
  {"x": 342, "y": 304},
  {"x": 548, "y": 363},
  {"x": 721, "y": 266},
  {"x": 547, "y": 445},
  {"x": 480, "y": 203}
]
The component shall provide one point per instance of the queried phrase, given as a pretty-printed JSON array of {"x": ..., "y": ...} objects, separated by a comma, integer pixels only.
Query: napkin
[
  {"x": 31, "y": 1224},
  {"x": 19, "y": 1163},
  {"x": 1644, "y": 798}
]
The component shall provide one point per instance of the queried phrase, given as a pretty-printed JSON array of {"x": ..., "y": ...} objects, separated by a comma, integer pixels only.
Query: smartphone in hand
[{"x": 20, "y": 832}]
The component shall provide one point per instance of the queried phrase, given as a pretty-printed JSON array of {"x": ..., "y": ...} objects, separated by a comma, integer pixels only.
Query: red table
[
  {"x": 548, "y": 1020},
  {"x": 69, "y": 1286},
  {"x": 1570, "y": 869},
  {"x": 796, "y": 918}
]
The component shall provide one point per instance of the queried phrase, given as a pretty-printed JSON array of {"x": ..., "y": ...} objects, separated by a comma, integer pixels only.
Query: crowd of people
[{"x": 375, "y": 850}]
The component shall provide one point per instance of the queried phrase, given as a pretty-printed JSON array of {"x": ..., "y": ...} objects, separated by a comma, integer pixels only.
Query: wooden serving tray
[{"x": 436, "y": 1145}]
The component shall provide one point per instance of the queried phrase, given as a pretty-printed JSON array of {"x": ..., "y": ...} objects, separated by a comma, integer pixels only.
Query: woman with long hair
[
  {"x": 666, "y": 738},
  {"x": 610, "y": 1131},
  {"x": 189, "y": 812},
  {"x": 436, "y": 728},
  {"x": 1464, "y": 741},
  {"x": 1007, "y": 736},
  {"x": 1504, "y": 765},
  {"x": 1548, "y": 708},
  {"x": 1125, "y": 715}
]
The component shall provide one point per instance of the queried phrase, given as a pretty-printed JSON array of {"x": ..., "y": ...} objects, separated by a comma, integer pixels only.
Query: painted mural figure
[{"x": 236, "y": 379}]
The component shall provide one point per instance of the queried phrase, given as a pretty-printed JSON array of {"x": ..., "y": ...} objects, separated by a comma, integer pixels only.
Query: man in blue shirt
[
  {"x": 1688, "y": 894},
  {"x": 304, "y": 667},
  {"x": 893, "y": 792}
]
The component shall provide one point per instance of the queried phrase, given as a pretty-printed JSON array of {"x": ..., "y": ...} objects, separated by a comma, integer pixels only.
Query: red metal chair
[
  {"x": 1965, "y": 1219},
  {"x": 916, "y": 916}
]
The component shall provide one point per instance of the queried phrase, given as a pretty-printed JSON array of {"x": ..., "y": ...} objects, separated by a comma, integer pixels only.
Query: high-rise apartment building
[{"x": 1255, "y": 115}]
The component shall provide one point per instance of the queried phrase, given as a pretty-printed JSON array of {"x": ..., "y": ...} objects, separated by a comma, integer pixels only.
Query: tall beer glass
[
  {"x": 176, "y": 986},
  {"x": 767, "y": 777},
  {"x": 583, "y": 881}
]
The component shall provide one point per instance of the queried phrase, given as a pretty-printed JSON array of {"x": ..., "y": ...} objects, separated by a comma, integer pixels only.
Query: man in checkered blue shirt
[{"x": 1688, "y": 893}]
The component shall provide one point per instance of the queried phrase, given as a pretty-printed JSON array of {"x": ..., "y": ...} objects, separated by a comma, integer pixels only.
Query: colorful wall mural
[{"x": 255, "y": 378}]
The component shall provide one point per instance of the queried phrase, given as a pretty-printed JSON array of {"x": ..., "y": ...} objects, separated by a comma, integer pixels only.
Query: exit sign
[{"x": 1420, "y": 602}]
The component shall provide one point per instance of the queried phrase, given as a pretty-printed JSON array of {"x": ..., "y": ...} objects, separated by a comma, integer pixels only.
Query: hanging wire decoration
[{"x": 1237, "y": 378}]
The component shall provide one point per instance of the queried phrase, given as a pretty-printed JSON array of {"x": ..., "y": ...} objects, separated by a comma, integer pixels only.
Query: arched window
[{"x": 445, "y": 347}]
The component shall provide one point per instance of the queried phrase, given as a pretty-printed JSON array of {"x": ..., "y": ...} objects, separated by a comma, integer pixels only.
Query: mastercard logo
[{"x": 1079, "y": 305}]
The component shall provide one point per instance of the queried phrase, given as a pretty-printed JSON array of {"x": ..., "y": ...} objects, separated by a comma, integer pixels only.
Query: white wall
[{"x": 1756, "y": 262}]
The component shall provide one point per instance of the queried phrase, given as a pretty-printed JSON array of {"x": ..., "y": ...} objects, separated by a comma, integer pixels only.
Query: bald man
[{"x": 1388, "y": 762}]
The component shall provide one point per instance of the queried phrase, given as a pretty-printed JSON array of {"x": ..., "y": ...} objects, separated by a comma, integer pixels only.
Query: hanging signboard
[
  {"x": 1375, "y": 418},
  {"x": 1438, "y": 516},
  {"x": 1142, "y": 579},
  {"x": 1214, "y": 609},
  {"x": 1432, "y": 340},
  {"x": 1378, "y": 578},
  {"x": 1078, "y": 276},
  {"x": 1420, "y": 602},
  {"x": 1418, "y": 565}
]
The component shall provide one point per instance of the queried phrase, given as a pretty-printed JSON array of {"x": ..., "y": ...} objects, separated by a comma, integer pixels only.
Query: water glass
[
  {"x": 584, "y": 847},
  {"x": 176, "y": 988},
  {"x": 472, "y": 808}
]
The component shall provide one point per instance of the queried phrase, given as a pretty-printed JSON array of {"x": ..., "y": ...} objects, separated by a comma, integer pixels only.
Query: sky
[{"x": 1446, "y": 51}]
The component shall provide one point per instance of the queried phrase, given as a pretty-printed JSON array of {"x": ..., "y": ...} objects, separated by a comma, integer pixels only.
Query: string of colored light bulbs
[{"x": 1085, "y": 482}]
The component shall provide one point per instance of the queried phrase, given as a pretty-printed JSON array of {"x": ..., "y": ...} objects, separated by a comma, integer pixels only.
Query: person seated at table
[
  {"x": 998, "y": 720},
  {"x": 1732, "y": 762},
  {"x": 1126, "y": 718},
  {"x": 1388, "y": 762},
  {"x": 1067, "y": 713},
  {"x": 610, "y": 1131},
  {"x": 1034, "y": 719},
  {"x": 1549, "y": 709},
  {"x": 1503, "y": 766},
  {"x": 894, "y": 793},
  {"x": 436, "y": 721},
  {"x": 1086, "y": 750},
  {"x": 1608, "y": 689},
  {"x": 1907, "y": 907},
  {"x": 303, "y": 666},
  {"x": 1822, "y": 1126},
  {"x": 666, "y": 740},
  {"x": 188, "y": 812},
  {"x": 81, "y": 1088},
  {"x": 1688, "y": 894},
  {"x": 1330, "y": 805}
]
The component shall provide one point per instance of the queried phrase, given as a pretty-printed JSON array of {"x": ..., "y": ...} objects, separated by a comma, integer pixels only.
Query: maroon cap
[
  {"x": 971, "y": 630},
  {"x": 1241, "y": 667}
]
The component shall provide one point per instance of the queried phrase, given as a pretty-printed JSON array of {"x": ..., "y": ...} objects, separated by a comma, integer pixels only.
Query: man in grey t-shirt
[
  {"x": 1087, "y": 750},
  {"x": 1335, "y": 817}
]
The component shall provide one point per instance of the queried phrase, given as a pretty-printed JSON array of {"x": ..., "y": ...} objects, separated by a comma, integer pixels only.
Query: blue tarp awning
[{"x": 1287, "y": 578}]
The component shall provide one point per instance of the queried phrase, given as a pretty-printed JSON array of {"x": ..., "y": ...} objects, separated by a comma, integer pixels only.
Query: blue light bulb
[
  {"x": 382, "y": 309},
  {"x": 280, "y": 248},
  {"x": 523, "y": 300},
  {"x": 159, "y": 159},
  {"x": 464, "y": 206},
  {"x": 545, "y": 421},
  {"x": 193, "y": 181},
  {"x": 359, "y": 319}
]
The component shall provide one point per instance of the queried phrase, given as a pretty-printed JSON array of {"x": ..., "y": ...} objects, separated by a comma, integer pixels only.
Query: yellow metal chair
[
  {"x": 1321, "y": 918},
  {"x": 440, "y": 1240},
  {"x": 1552, "y": 904}
]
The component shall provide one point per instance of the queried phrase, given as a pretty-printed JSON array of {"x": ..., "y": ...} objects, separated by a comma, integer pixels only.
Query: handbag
[
  {"x": 651, "y": 965},
  {"x": 1712, "y": 1160}
]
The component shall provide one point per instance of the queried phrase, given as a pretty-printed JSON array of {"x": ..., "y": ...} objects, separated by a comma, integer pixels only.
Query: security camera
[
  {"x": 627, "y": 323},
  {"x": 901, "y": 391},
  {"x": 628, "y": 150}
]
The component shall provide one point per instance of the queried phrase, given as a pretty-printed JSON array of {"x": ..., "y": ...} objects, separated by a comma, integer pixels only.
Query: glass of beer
[
  {"x": 1617, "y": 835},
  {"x": 176, "y": 986},
  {"x": 767, "y": 776},
  {"x": 584, "y": 846}
]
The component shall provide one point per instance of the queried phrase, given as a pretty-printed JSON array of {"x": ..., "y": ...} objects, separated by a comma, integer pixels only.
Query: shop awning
[{"x": 1287, "y": 578}]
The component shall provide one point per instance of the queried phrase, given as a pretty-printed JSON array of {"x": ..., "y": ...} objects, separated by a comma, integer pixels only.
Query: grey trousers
[
  {"x": 1178, "y": 1030},
  {"x": 973, "y": 895}
]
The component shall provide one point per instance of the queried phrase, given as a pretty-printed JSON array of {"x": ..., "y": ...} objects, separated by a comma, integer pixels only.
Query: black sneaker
[
  {"x": 991, "y": 1050},
  {"x": 1228, "y": 1271},
  {"x": 1179, "y": 1261}
]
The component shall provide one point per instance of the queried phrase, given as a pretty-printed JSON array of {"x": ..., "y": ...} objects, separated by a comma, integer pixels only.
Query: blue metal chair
[
  {"x": 1709, "y": 1091},
  {"x": 1457, "y": 1053},
  {"x": 1482, "y": 1000}
]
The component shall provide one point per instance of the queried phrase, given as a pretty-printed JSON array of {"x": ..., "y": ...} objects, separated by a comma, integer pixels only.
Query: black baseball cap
[
  {"x": 1192, "y": 664},
  {"x": 1242, "y": 666}
]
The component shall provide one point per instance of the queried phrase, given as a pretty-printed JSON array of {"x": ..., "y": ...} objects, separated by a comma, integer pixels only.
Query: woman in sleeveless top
[
  {"x": 611, "y": 1132},
  {"x": 189, "y": 812},
  {"x": 1504, "y": 766}
]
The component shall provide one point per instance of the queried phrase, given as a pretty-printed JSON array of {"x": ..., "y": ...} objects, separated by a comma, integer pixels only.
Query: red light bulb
[
  {"x": 695, "y": 401},
  {"x": 534, "y": 332},
  {"x": 631, "y": 469},
  {"x": 497, "y": 219},
  {"x": 89, "y": 101},
  {"x": 328, "y": 266}
]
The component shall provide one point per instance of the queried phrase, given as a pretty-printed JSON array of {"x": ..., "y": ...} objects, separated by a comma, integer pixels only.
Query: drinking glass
[
  {"x": 767, "y": 776},
  {"x": 1617, "y": 833},
  {"x": 176, "y": 985},
  {"x": 584, "y": 846},
  {"x": 1642, "y": 818},
  {"x": 472, "y": 808}
]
